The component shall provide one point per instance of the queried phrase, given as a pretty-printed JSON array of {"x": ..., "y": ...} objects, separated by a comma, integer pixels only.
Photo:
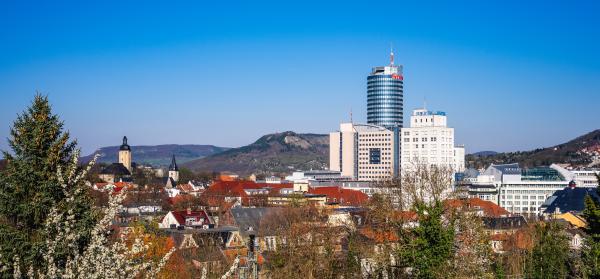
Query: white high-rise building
[
  {"x": 362, "y": 152},
  {"x": 430, "y": 141}
]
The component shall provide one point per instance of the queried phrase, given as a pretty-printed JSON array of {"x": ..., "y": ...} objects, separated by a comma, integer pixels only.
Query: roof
[
  {"x": 488, "y": 208},
  {"x": 181, "y": 215},
  {"x": 508, "y": 168},
  {"x": 115, "y": 169},
  {"x": 125, "y": 146},
  {"x": 504, "y": 223},
  {"x": 169, "y": 182},
  {"x": 221, "y": 189},
  {"x": 245, "y": 217},
  {"x": 569, "y": 199},
  {"x": 341, "y": 195},
  {"x": 173, "y": 166},
  {"x": 379, "y": 236}
]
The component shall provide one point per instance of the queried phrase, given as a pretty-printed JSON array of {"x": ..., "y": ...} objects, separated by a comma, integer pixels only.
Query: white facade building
[
  {"x": 430, "y": 141},
  {"x": 583, "y": 177},
  {"x": 363, "y": 152},
  {"x": 518, "y": 190}
]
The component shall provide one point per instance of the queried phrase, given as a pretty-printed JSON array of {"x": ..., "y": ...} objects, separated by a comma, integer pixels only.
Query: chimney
[{"x": 189, "y": 211}]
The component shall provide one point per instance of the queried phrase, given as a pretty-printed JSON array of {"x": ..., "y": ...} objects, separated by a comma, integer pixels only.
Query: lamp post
[{"x": 252, "y": 259}]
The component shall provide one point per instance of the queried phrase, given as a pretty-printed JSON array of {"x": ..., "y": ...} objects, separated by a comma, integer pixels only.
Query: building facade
[
  {"x": 363, "y": 152},
  {"x": 125, "y": 154},
  {"x": 429, "y": 141},
  {"x": 385, "y": 93},
  {"x": 517, "y": 190}
]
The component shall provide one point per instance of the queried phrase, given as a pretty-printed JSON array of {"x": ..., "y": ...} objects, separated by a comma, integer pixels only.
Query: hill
[
  {"x": 485, "y": 153},
  {"x": 273, "y": 153},
  {"x": 157, "y": 155},
  {"x": 578, "y": 152}
]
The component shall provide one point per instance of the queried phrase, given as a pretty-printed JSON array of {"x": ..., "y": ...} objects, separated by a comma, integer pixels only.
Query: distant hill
[
  {"x": 578, "y": 151},
  {"x": 273, "y": 153},
  {"x": 157, "y": 155},
  {"x": 484, "y": 153}
]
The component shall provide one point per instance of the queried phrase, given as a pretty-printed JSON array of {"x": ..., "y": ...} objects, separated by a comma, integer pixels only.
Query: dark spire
[
  {"x": 173, "y": 166},
  {"x": 125, "y": 146}
]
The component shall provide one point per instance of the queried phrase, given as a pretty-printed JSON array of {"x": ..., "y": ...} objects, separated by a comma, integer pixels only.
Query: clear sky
[{"x": 510, "y": 75}]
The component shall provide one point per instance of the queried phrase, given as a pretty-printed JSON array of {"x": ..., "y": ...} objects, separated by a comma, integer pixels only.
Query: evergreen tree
[
  {"x": 590, "y": 253},
  {"x": 30, "y": 187},
  {"x": 430, "y": 248},
  {"x": 549, "y": 257}
]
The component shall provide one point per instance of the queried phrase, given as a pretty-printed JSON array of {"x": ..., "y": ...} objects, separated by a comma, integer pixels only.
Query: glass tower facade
[
  {"x": 385, "y": 94},
  {"x": 385, "y": 103}
]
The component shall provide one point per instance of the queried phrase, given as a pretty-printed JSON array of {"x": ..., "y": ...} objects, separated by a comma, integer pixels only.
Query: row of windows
[
  {"x": 371, "y": 135},
  {"x": 517, "y": 197},
  {"x": 433, "y": 139},
  {"x": 375, "y": 144},
  {"x": 428, "y": 132},
  {"x": 533, "y": 191},
  {"x": 383, "y": 79},
  {"x": 449, "y": 146},
  {"x": 385, "y": 104},
  {"x": 378, "y": 84},
  {"x": 377, "y": 139}
]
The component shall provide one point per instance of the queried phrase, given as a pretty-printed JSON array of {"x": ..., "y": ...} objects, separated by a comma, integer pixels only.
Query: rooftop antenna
[
  {"x": 391, "y": 54},
  {"x": 351, "y": 116}
]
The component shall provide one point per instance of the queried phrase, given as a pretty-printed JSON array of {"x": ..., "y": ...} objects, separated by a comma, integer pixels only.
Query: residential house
[{"x": 186, "y": 219}]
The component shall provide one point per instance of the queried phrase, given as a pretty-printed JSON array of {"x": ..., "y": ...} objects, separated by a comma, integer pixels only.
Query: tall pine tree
[
  {"x": 431, "y": 245},
  {"x": 591, "y": 250},
  {"x": 29, "y": 186}
]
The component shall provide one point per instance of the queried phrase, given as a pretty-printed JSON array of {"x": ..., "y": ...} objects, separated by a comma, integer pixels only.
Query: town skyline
[{"x": 214, "y": 84}]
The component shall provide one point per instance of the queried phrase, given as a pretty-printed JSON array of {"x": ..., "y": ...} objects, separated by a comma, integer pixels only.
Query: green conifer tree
[
  {"x": 590, "y": 253},
  {"x": 549, "y": 257},
  {"x": 431, "y": 245},
  {"x": 29, "y": 186}
]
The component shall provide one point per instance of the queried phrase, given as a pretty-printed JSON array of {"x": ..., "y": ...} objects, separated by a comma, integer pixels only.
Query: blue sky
[{"x": 510, "y": 75}]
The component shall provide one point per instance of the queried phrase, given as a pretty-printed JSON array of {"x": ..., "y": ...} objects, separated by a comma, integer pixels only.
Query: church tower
[
  {"x": 174, "y": 170},
  {"x": 125, "y": 154}
]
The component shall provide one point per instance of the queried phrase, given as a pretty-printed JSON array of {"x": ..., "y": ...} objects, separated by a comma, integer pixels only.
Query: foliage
[
  {"x": 431, "y": 245},
  {"x": 568, "y": 152},
  {"x": 590, "y": 253},
  {"x": 549, "y": 257},
  {"x": 127, "y": 256},
  {"x": 30, "y": 184},
  {"x": 473, "y": 255}
]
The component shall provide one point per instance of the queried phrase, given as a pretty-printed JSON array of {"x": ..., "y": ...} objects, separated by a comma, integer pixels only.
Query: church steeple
[
  {"x": 125, "y": 146},
  {"x": 173, "y": 166},
  {"x": 174, "y": 170},
  {"x": 125, "y": 154}
]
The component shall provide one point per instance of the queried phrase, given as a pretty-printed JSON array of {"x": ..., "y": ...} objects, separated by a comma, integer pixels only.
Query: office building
[
  {"x": 363, "y": 152},
  {"x": 385, "y": 96},
  {"x": 515, "y": 189},
  {"x": 429, "y": 141}
]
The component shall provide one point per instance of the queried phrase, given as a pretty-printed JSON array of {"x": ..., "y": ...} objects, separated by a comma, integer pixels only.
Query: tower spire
[
  {"x": 391, "y": 54},
  {"x": 173, "y": 166}
]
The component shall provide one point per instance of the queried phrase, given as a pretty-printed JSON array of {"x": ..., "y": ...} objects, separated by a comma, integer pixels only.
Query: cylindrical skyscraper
[{"x": 385, "y": 94}]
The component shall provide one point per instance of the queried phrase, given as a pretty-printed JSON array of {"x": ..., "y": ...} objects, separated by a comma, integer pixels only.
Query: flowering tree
[{"x": 126, "y": 257}]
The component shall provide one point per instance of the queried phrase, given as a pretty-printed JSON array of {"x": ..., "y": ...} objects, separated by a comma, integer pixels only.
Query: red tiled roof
[
  {"x": 379, "y": 236},
  {"x": 221, "y": 189},
  {"x": 340, "y": 195},
  {"x": 489, "y": 208},
  {"x": 185, "y": 187},
  {"x": 181, "y": 215}
]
